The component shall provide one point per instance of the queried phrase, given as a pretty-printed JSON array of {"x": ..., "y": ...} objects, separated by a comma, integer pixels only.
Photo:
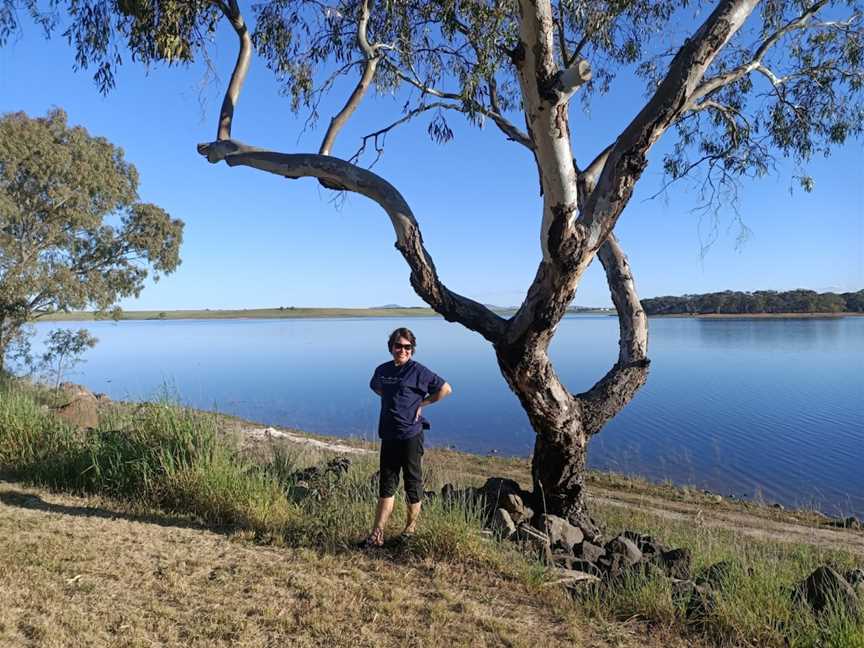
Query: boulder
[
  {"x": 573, "y": 580},
  {"x": 496, "y": 491},
  {"x": 502, "y": 524},
  {"x": 855, "y": 578},
  {"x": 647, "y": 545},
  {"x": 514, "y": 505},
  {"x": 584, "y": 566},
  {"x": 701, "y": 604},
  {"x": 82, "y": 411},
  {"x": 716, "y": 576},
  {"x": 625, "y": 547},
  {"x": 825, "y": 586},
  {"x": 682, "y": 590},
  {"x": 589, "y": 551},
  {"x": 613, "y": 565},
  {"x": 676, "y": 563},
  {"x": 534, "y": 541},
  {"x": 561, "y": 533}
]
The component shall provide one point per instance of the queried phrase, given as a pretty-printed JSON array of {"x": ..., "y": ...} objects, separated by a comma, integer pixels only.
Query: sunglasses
[{"x": 398, "y": 347}]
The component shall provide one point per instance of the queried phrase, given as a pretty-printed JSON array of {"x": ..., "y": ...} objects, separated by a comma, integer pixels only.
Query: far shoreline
[{"x": 407, "y": 312}]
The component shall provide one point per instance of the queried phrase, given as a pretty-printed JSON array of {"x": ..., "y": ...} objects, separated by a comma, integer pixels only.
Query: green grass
[
  {"x": 753, "y": 606},
  {"x": 164, "y": 457}
]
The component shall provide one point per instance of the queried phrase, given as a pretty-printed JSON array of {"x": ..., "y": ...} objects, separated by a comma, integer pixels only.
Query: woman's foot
[{"x": 375, "y": 539}]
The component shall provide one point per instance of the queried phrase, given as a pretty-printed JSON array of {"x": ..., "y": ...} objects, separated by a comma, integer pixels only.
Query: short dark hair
[{"x": 403, "y": 333}]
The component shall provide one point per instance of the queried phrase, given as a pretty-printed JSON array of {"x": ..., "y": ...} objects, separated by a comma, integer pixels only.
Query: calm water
[{"x": 770, "y": 408}]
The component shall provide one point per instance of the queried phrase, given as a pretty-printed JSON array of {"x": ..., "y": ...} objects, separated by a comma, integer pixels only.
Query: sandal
[{"x": 372, "y": 541}]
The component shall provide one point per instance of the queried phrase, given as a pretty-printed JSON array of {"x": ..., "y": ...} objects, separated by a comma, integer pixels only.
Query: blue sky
[{"x": 257, "y": 240}]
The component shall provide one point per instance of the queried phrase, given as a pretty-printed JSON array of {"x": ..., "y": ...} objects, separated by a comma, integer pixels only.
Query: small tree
[
  {"x": 753, "y": 80},
  {"x": 58, "y": 185},
  {"x": 64, "y": 349}
]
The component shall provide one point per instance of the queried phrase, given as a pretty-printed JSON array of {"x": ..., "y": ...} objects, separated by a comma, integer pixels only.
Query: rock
[
  {"x": 450, "y": 495},
  {"x": 850, "y": 522},
  {"x": 447, "y": 491},
  {"x": 589, "y": 552},
  {"x": 682, "y": 590},
  {"x": 647, "y": 545},
  {"x": 561, "y": 533},
  {"x": 715, "y": 576},
  {"x": 534, "y": 541},
  {"x": 573, "y": 580},
  {"x": 82, "y": 411},
  {"x": 299, "y": 492},
  {"x": 824, "y": 586},
  {"x": 612, "y": 565},
  {"x": 701, "y": 604},
  {"x": 102, "y": 398},
  {"x": 512, "y": 503},
  {"x": 855, "y": 578},
  {"x": 585, "y": 566},
  {"x": 676, "y": 563},
  {"x": 625, "y": 547},
  {"x": 496, "y": 490},
  {"x": 563, "y": 560},
  {"x": 502, "y": 524}
]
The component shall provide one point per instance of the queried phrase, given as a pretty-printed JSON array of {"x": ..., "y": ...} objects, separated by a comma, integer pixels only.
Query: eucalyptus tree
[
  {"x": 73, "y": 233},
  {"x": 736, "y": 83}
]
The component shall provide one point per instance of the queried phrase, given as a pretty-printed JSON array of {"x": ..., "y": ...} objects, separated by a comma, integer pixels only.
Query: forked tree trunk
[
  {"x": 561, "y": 442},
  {"x": 580, "y": 209}
]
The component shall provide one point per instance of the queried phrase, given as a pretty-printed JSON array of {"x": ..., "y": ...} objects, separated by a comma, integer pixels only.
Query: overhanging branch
[{"x": 347, "y": 176}]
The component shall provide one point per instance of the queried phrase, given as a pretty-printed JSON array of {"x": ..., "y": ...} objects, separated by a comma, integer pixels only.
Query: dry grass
[{"x": 74, "y": 572}]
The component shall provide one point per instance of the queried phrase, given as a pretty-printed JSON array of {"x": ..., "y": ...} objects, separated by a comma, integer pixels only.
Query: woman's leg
[
  {"x": 412, "y": 470},
  {"x": 388, "y": 480}
]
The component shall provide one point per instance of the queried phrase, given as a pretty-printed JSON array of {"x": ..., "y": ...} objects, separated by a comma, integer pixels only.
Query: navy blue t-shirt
[{"x": 402, "y": 388}]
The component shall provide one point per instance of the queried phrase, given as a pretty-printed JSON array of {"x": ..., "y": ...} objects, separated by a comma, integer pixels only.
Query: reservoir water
[{"x": 772, "y": 409}]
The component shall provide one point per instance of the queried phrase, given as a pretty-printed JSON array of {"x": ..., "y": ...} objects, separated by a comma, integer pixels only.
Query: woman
[{"x": 405, "y": 388}]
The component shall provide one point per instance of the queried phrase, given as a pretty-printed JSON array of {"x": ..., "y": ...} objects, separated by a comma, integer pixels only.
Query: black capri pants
[{"x": 405, "y": 455}]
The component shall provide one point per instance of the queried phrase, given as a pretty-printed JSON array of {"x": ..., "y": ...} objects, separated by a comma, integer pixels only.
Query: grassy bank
[
  {"x": 248, "y": 313},
  {"x": 161, "y": 459}
]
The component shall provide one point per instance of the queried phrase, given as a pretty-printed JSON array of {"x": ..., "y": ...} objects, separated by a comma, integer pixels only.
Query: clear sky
[{"x": 257, "y": 240}]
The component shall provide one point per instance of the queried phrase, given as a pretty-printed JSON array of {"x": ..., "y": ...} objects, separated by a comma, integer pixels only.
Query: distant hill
[{"x": 758, "y": 302}]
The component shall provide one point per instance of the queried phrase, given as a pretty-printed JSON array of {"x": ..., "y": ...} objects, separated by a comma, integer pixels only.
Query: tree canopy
[
  {"x": 73, "y": 233},
  {"x": 759, "y": 301}
]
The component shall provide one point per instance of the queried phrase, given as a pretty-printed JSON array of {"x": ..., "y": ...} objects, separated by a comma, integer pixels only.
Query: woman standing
[{"x": 405, "y": 387}]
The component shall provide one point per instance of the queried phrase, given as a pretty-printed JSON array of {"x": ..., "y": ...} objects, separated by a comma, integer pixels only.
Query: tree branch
[
  {"x": 618, "y": 387},
  {"x": 369, "y": 67},
  {"x": 503, "y": 124},
  {"x": 424, "y": 277},
  {"x": 715, "y": 83},
  {"x": 241, "y": 67},
  {"x": 628, "y": 158}
]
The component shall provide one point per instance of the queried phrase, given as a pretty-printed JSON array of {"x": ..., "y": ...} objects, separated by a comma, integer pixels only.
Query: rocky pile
[{"x": 581, "y": 559}]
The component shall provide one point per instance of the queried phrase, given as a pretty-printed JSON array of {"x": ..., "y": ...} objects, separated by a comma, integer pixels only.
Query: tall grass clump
[{"x": 163, "y": 456}]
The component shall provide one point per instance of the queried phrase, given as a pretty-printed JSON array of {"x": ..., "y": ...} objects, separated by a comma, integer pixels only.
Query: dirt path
[{"x": 748, "y": 524}]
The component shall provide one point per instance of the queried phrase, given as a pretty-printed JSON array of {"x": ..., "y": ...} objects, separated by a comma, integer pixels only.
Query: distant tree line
[{"x": 760, "y": 301}]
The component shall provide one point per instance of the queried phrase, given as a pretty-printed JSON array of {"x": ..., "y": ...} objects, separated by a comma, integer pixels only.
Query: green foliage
[
  {"x": 760, "y": 301},
  {"x": 72, "y": 231},
  {"x": 804, "y": 98},
  {"x": 63, "y": 350}
]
